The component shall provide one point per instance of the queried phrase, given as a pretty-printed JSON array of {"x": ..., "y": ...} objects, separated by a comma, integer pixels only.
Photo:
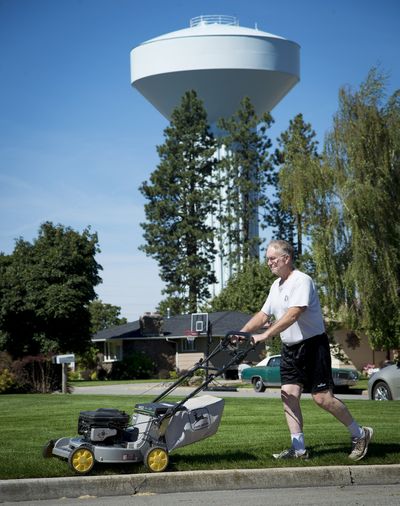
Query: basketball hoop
[{"x": 191, "y": 335}]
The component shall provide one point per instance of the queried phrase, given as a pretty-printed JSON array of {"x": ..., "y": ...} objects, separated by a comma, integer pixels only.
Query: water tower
[{"x": 223, "y": 62}]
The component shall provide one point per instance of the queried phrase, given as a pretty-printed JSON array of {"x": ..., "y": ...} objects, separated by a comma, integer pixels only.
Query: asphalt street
[
  {"x": 365, "y": 495},
  {"x": 155, "y": 389},
  {"x": 190, "y": 482}
]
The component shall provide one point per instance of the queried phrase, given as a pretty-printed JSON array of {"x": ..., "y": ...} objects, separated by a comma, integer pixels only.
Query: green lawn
[{"x": 250, "y": 430}]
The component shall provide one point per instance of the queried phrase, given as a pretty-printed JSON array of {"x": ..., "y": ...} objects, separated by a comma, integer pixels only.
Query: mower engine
[{"x": 105, "y": 425}]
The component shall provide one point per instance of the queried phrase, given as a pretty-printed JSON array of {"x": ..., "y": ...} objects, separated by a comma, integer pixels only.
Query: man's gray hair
[{"x": 285, "y": 247}]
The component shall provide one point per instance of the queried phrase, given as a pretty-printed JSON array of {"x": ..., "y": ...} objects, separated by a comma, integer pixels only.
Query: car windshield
[{"x": 270, "y": 361}]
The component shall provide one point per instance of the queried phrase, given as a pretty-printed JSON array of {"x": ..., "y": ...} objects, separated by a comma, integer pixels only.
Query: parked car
[
  {"x": 384, "y": 385},
  {"x": 267, "y": 374}
]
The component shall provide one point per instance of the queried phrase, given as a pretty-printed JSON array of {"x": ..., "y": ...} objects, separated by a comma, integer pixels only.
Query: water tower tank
[{"x": 221, "y": 61}]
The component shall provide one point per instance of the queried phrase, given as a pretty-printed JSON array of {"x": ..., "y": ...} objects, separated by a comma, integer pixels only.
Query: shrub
[
  {"x": 7, "y": 382},
  {"x": 274, "y": 346},
  {"x": 7, "y": 378},
  {"x": 135, "y": 366},
  {"x": 5, "y": 360},
  {"x": 37, "y": 374},
  {"x": 163, "y": 374},
  {"x": 74, "y": 375},
  {"x": 175, "y": 375},
  {"x": 196, "y": 379},
  {"x": 90, "y": 365}
]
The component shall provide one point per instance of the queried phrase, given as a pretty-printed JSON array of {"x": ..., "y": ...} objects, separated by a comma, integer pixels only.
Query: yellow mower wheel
[
  {"x": 156, "y": 459},
  {"x": 81, "y": 460}
]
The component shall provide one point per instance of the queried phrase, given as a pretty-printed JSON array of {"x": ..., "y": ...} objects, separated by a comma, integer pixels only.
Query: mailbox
[{"x": 64, "y": 359}]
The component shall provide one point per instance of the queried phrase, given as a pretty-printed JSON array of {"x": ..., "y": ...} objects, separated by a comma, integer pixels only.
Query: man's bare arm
[
  {"x": 290, "y": 317},
  {"x": 256, "y": 322}
]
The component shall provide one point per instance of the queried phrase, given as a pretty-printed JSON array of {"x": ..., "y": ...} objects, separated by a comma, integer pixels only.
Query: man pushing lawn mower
[{"x": 305, "y": 359}]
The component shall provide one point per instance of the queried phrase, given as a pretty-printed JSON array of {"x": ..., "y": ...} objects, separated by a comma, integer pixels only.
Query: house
[
  {"x": 356, "y": 349},
  {"x": 169, "y": 343},
  {"x": 172, "y": 342}
]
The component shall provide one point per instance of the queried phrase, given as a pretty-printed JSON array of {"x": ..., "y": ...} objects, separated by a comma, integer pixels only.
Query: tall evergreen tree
[
  {"x": 180, "y": 197},
  {"x": 246, "y": 172},
  {"x": 280, "y": 220},
  {"x": 298, "y": 177},
  {"x": 358, "y": 242}
]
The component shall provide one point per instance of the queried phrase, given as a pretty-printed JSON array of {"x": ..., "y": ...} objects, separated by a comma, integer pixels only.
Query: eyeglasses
[{"x": 273, "y": 259}]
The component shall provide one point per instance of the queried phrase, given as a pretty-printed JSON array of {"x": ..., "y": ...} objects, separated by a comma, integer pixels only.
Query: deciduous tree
[
  {"x": 45, "y": 289},
  {"x": 103, "y": 316},
  {"x": 357, "y": 243},
  {"x": 246, "y": 290}
]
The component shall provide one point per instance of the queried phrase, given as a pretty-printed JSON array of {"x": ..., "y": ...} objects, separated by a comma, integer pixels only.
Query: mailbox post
[{"x": 64, "y": 360}]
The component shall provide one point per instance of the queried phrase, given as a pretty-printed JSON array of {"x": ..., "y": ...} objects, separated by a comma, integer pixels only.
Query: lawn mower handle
[{"x": 247, "y": 338}]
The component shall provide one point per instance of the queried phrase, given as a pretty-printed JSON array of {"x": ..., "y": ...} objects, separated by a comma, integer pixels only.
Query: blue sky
[{"x": 76, "y": 140}]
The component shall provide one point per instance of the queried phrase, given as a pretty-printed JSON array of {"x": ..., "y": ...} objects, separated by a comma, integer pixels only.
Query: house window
[
  {"x": 112, "y": 351},
  {"x": 188, "y": 345}
]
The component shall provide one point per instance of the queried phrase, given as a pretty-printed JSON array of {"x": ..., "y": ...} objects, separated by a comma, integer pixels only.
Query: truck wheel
[
  {"x": 156, "y": 459},
  {"x": 258, "y": 385},
  {"x": 81, "y": 460}
]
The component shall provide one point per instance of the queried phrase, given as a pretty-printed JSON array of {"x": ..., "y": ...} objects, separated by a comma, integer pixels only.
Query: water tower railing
[{"x": 215, "y": 19}]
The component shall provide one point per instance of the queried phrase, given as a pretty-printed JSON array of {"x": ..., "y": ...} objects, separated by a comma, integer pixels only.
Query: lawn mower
[{"x": 108, "y": 435}]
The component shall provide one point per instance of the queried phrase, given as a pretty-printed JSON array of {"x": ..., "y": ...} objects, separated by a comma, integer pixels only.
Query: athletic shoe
[
  {"x": 359, "y": 447},
  {"x": 291, "y": 453}
]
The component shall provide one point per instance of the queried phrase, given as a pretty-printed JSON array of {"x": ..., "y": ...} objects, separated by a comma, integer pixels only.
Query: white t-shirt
[{"x": 297, "y": 291}]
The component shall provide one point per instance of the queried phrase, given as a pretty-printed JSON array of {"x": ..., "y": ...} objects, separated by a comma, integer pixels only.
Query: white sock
[
  {"x": 355, "y": 430},
  {"x": 298, "y": 442}
]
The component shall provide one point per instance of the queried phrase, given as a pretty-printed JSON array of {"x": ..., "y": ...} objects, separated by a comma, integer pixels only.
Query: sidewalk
[{"x": 194, "y": 481}]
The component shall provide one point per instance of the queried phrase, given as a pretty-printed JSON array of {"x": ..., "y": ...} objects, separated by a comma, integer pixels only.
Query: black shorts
[{"x": 308, "y": 364}]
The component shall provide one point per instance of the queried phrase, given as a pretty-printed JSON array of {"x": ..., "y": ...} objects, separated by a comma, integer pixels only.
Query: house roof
[{"x": 176, "y": 326}]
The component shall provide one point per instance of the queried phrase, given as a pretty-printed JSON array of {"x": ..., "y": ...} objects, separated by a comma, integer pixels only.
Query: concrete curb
[{"x": 193, "y": 481}]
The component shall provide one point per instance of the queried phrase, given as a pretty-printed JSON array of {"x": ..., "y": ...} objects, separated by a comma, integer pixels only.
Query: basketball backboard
[{"x": 199, "y": 323}]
